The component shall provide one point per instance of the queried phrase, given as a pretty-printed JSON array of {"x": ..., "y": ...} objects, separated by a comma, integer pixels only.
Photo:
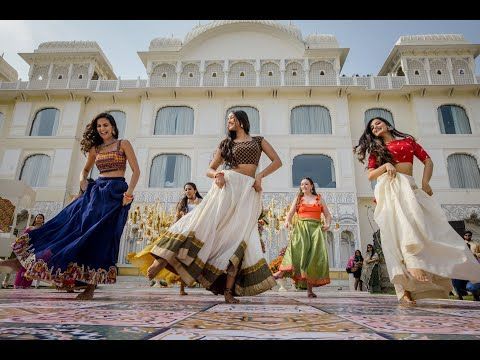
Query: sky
[{"x": 370, "y": 41}]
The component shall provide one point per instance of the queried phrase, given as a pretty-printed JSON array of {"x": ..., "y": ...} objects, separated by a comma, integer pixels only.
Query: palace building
[{"x": 291, "y": 86}]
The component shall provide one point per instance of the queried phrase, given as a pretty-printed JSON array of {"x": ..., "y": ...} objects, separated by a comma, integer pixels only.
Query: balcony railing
[{"x": 368, "y": 82}]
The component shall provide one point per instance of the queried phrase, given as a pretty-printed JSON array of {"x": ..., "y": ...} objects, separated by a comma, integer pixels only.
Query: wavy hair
[
  {"x": 226, "y": 146},
  {"x": 372, "y": 144},
  {"x": 91, "y": 137}
]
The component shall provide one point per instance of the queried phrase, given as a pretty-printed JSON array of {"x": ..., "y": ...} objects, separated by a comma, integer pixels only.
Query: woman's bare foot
[
  {"x": 278, "y": 275},
  {"x": 407, "y": 300},
  {"x": 419, "y": 274},
  {"x": 13, "y": 264},
  {"x": 155, "y": 268},
  {"x": 311, "y": 295},
  {"x": 87, "y": 294},
  {"x": 229, "y": 299},
  {"x": 182, "y": 289}
]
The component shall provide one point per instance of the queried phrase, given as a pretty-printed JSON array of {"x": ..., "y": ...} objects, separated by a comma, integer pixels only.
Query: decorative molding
[{"x": 460, "y": 212}]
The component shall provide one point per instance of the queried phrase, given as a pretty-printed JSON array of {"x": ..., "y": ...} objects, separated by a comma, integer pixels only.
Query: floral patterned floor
[{"x": 133, "y": 310}]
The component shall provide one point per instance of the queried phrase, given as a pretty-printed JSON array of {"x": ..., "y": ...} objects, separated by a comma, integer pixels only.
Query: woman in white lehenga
[
  {"x": 422, "y": 251},
  {"x": 218, "y": 244}
]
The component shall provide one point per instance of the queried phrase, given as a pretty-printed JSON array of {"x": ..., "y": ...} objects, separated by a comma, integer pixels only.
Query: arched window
[
  {"x": 318, "y": 167},
  {"x": 35, "y": 170},
  {"x": 383, "y": 113},
  {"x": 169, "y": 171},
  {"x": 45, "y": 122},
  {"x": 310, "y": 119},
  {"x": 330, "y": 249},
  {"x": 453, "y": 120},
  {"x": 463, "y": 171},
  {"x": 120, "y": 119},
  {"x": 174, "y": 120},
  {"x": 347, "y": 247},
  {"x": 253, "y": 117}
]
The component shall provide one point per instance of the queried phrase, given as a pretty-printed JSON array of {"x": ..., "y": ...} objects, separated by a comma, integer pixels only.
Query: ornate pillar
[
  {"x": 282, "y": 72},
  {"x": 178, "y": 71},
  {"x": 450, "y": 68},
  {"x": 427, "y": 69},
  {"x": 306, "y": 69}
]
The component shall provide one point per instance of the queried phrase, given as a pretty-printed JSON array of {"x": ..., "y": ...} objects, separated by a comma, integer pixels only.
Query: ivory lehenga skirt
[
  {"x": 223, "y": 229},
  {"x": 415, "y": 234}
]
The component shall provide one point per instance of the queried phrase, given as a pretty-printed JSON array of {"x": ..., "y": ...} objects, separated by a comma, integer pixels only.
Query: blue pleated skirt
[{"x": 82, "y": 242}]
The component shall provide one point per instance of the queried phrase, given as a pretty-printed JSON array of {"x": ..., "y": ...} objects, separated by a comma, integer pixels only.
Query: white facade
[{"x": 261, "y": 64}]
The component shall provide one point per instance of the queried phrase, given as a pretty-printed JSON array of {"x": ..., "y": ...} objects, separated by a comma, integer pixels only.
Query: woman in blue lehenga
[{"x": 81, "y": 243}]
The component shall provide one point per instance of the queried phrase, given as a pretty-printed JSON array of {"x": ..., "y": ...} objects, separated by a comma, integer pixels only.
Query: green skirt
[{"x": 306, "y": 257}]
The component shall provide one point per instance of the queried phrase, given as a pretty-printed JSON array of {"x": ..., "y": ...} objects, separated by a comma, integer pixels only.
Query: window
[
  {"x": 80, "y": 76},
  {"x": 461, "y": 72},
  {"x": 242, "y": 73},
  {"x": 383, "y": 113},
  {"x": 60, "y": 77},
  {"x": 318, "y": 167},
  {"x": 270, "y": 73},
  {"x": 322, "y": 72},
  {"x": 214, "y": 74},
  {"x": 310, "y": 119},
  {"x": 174, "y": 120},
  {"x": 347, "y": 247},
  {"x": 35, "y": 170},
  {"x": 45, "y": 122},
  {"x": 253, "y": 117},
  {"x": 164, "y": 75},
  {"x": 294, "y": 73},
  {"x": 190, "y": 74},
  {"x": 40, "y": 77},
  {"x": 453, "y": 120},
  {"x": 439, "y": 72},
  {"x": 416, "y": 72},
  {"x": 169, "y": 171},
  {"x": 463, "y": 171}
]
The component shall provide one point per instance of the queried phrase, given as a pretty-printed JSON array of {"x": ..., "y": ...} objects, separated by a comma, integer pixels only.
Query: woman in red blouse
[{"x": 422, "y": 251}]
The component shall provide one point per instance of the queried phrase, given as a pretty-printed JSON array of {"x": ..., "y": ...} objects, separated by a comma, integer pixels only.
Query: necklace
[{"x": 104, "y": 145}]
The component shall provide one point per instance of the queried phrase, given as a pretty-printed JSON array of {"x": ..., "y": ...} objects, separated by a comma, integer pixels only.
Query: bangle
[
  {"x": 220, "y": 173},
  {"x": 128, "y": 197}
]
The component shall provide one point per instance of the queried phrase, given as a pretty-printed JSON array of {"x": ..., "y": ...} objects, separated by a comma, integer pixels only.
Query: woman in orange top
[{"x": 306, "y": 258}]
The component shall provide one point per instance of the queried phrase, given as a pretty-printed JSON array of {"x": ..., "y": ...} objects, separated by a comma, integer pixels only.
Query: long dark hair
[
  {"x": 33, "y": 222},
  {"x": 182, "y": 204},
  {"x": 373, "y": 249},
  {"x": 372, "y": 144},
  {"x": 91, "y": 137},
  {"x": 360, "y": 257},
  {"x": 226, "y": 146},
  {"x": 300, "y": 193}
]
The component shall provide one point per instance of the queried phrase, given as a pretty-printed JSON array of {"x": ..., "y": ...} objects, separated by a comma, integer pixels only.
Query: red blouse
[
  {"x": 310, "y": 211},
  {"x": 402, "y": 150}
]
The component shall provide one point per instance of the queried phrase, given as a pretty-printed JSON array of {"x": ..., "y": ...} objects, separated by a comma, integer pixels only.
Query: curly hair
[
  {"x": 182, "y": 204},
  {"x": 372, "y": 144},
  {"x": 226, "y": 146},
  {"x": 91, "y": 137}
]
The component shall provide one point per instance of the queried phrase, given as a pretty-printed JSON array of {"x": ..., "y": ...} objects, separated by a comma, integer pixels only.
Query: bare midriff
[
  {"x": 246, "y": 169},
  {"x": 404, "y": 168},
  {"x": 115, "y": 173}
]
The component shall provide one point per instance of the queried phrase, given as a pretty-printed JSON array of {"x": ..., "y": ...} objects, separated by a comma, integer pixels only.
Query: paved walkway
[{"x": 133, "y": 310}]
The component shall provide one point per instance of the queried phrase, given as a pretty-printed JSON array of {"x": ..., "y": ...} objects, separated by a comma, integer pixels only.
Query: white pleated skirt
[
  {"x": 222, "y": 229},
  {"x": 415, "y": 234}
]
